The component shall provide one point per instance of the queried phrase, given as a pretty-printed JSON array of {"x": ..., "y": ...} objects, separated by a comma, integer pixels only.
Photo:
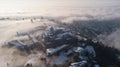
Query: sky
[
  {"x": 34, "y": 3},
  {"x": 8, "y": 6},
  {"x": 23, "y": 2}
]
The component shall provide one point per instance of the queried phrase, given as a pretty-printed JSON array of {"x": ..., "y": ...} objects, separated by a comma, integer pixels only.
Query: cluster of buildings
[
  {"x": 63, "y": 49},
  {"x": 61, "y": 42}
]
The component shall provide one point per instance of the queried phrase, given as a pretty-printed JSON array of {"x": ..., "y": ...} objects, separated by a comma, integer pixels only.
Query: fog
[{"x": 102, "y": 16}]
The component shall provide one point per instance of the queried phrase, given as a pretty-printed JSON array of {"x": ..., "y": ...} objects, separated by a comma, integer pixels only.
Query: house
[
  {"x": 17, "y": 43},
  {"x": 51, "y": 51},
  {"x": 56, "y": 37},
  {"x": 79, "y": 64}
]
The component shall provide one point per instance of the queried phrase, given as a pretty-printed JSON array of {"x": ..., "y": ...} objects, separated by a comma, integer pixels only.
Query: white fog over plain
[
  {"x": 99, "y": 16},
  {"x": 72, "y": 10}
]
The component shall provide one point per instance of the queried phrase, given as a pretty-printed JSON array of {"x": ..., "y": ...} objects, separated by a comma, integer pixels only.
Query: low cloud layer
[
  {"x": 112, "y": 40},
  {"x": 101, "y": 23}
]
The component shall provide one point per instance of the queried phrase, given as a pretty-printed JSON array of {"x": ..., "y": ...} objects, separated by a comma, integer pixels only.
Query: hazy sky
[
  {"x": 22, "y": 5},
  {"x": 13, "y": 3}
]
